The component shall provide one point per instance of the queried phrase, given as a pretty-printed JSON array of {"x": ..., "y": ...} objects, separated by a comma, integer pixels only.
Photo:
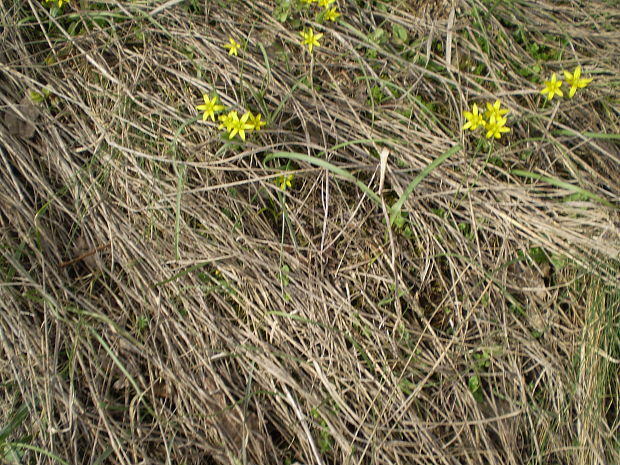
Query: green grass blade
[
  {"x": 563, "y": 185},
  {"x": 102, "y": 458},
  {"x": 182, "y": 273},
  {"x": 397, "y": 207},
  {"x": 15, "y": 422},
  {"x": 21, "y": 445},
  {"x": 591, "y": 135},
  {"x": 121, "y": 367},
  {"x": 358, "y": 141},
  {"x": 328, "y": 166}
]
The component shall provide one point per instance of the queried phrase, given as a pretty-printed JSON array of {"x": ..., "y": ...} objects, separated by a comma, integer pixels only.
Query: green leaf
[
  {"x": 400, "y": 221},
  {"x": 378, "y": 36},
  {"x": 538, "y": 255},
  {"x": 474, "y": 387},
  {"x": 36, "y": 97},
  {"x": 73, "y": 29},
  {"x": 282, "y": 11},
  {"x": 473, "y": 383},
  {"x": 559, "y": 261},
  {"x": 377, "y": 95},
  {"x": 284, "y": 272},
  {"x": 399, "y": 33}
]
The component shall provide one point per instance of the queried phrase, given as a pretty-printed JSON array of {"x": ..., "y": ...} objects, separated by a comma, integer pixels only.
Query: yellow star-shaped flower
[
  {"x": 495, "y": 110},
  {"x": 310, "y": 39},
  {"x": 227, "y": 121},
  {"x": 210, "y": 107},
  {"x": 474, "y": 119},
  {"x": 332, "y": 14},
  {"x": 239, "y": 125},
  {"x": 575, "y": 82},
  {"x": 255, "y": 121},
  {"x": 552, "y": 87},
  {"x": 325, "y": 3},
  {"x": 232, "y": 46},
  {"x": 496, "y": 127}
]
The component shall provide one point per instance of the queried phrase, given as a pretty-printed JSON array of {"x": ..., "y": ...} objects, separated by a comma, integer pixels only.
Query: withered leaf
[{"x": 24, "y": 125}]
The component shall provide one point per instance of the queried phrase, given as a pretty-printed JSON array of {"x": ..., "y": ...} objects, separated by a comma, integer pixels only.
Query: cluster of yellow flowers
[
  {"x": 330, "y": 12},
  {"x": 234, "y": 124},
  {"x": 574, "y": 80},
  {"x": 493, "y": 120},
  {"x": 231, "y": 122},
  {"x": 309, "y": 37}
]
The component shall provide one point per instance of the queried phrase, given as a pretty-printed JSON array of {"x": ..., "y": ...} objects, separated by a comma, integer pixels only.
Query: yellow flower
[
  {"x": 239, "y": 125},
  {"x": 474, "y": 119},
  {"x": 232, "y": 46},
  {"x": 210, "y": 107},
  {"x": 496, "y": 127},
  {"x": 552, "y": 87},
  {"x": 228, "y": 120},
  {"x": 58, "y": 2},
  {"x": 332, "y": 14},
  {"x": 310, "y": 39},
  {"x": 325, "y": 3},
  {"x": 495, "y": 111},
  {"x": 308, "y": 2},
  {"x": 575, "y": 82},
  {"x": 284, "y": 181},
  {"x": 256, "y": 122}
]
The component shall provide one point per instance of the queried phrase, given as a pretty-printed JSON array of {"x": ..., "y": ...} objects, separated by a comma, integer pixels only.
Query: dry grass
[{"x": 164, "y": 302}]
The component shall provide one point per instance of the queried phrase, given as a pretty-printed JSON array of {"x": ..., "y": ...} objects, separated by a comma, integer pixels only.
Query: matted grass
[{"x": 417, "y": 296}]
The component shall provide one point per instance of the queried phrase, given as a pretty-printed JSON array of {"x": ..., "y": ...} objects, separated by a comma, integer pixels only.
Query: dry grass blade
[{"x": 166, "y": 297}]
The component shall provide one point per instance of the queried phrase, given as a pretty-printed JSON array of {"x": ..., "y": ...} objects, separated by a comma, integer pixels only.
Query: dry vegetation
[{"x": 163, "y": 301}]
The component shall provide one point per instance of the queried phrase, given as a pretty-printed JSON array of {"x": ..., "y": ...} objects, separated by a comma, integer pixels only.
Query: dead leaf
[{"x": 22, "y": 125}]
